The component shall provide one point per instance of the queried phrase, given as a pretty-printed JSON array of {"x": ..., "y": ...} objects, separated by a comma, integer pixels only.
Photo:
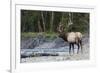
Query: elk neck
[{"x": 63, "y": 35}]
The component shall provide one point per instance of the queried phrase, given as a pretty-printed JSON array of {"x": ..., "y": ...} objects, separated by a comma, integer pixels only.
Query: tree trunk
[
  {"x": 43, "y": 21},
  {"x": 62, "y": 18},
  {"x": 52, "y": 18},
  {"x": 39, "y": 26},
  {"x": 70, "y": 19}
]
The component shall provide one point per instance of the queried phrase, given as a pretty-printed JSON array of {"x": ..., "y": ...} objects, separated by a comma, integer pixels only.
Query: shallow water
[{"x": 54, "y": 50}]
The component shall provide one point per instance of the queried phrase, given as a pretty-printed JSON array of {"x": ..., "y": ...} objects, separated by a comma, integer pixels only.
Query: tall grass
[{"x": 48, "y": 35}]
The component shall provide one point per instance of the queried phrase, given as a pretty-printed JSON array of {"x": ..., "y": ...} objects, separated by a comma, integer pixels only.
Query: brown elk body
[{"x": 71, "y": 37}]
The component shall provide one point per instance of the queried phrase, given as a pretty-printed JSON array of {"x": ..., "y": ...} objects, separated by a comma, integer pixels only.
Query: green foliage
[
  {"x": 48, "y": 35},
  {"x": 47, "y": 22},
  {"x": 28, "y": 34}
]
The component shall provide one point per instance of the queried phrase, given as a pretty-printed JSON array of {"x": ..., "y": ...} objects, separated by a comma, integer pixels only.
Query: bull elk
[{"x": 71, "y": 37}]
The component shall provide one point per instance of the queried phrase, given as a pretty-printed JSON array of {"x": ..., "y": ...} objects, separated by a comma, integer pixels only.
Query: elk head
[{"x": 62, "y": 33}]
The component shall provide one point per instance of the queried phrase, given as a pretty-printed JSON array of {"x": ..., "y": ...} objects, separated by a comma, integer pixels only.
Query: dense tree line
[{"x": 48, "y": 21}]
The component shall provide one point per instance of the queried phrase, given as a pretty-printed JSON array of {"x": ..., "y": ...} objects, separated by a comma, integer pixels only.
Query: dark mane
[{"x": 63, "y": 35}]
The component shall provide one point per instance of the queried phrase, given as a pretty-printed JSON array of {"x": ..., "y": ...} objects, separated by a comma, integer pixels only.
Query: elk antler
[{"x": 60, "y": 28}]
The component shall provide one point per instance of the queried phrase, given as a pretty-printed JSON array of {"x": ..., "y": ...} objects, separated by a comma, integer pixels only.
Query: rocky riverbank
[{"x": 41, "y": 49}]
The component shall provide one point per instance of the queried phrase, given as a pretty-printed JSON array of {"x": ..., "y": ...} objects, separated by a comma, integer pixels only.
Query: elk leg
[
  {"x": 78, "y": 48},
  {"x": 73, "y": 47},
  {"x": 69, "y": 48},
  {"x": 81, "y": 46}
]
